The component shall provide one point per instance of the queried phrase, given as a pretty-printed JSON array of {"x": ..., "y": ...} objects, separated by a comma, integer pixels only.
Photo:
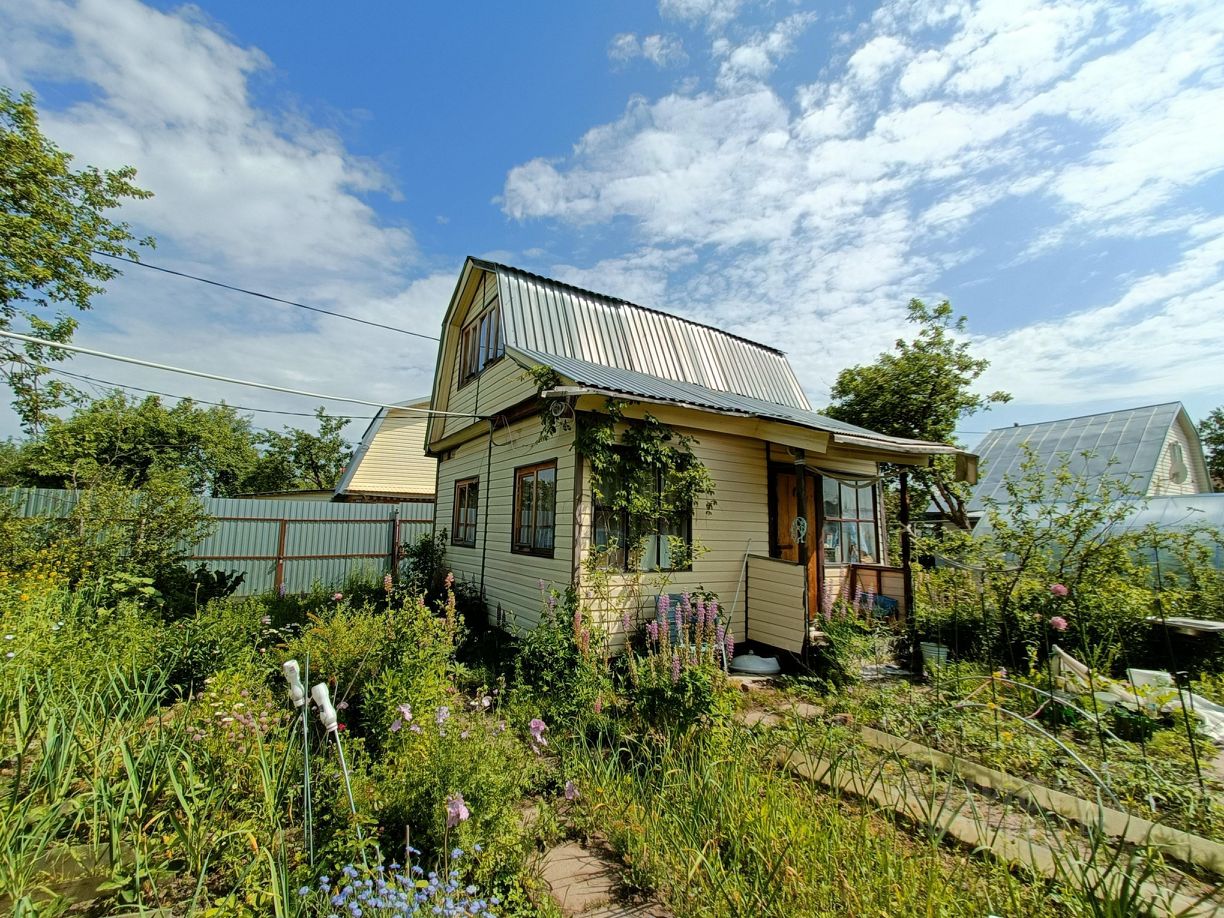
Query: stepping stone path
[{"x": 586, "y": 882}]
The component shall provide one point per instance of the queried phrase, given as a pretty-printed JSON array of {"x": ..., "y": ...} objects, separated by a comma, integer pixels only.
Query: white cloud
[
  {"x": 817, "y": 218},
  {"x": 714, "y": 14},
  {"x": 254, "y": 196},
  {"x": 660, "y": 50}
]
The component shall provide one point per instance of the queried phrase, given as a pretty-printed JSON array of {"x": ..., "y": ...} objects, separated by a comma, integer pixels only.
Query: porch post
[{"x": 907, "y": 576}]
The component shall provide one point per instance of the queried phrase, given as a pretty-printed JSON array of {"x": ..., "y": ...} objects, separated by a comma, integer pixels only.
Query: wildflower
[
  {"x": 456, "y": 810},
  {"x": 415, "y": 728},
  {"x": 675, "y": 668},
  {"x": 571, "y": 790},
  {"x": 9, "y": 637},
  {"x": 664, "y": 605},
  {"x": 1059, "y": 590},
  {"x": 405, "y": 712},
  {"x": 342, "y": 706},
  {"x": 336, "y": 597},
  {"x": 486, "y": 701},
  {"x": 266, "y": 620},
  {"x": 1058, "y": 623},
  {"x": 24, "y": 597},
  {"x": 10, "y": 655},
  {"x": 450, "y": 580},
  {"x": 537, "y": 728},
  {"x": 396, "y": 725},
  {"x": 388, "y": 583},
  {"x": 730, "y": 641},
  {"x": 598, "y": 704},
  {"x": 540, "y": 584},
  {"x": 465, "y": 734},
  {"x": 625, "y": 622},
  {"x": 652, "y": 631},
  {"x": 281, "y": 590},
  {"x": 442, "y": 715}
]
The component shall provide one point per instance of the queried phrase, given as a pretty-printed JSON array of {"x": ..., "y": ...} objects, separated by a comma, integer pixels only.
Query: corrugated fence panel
[{"x": 279, "y": 542}]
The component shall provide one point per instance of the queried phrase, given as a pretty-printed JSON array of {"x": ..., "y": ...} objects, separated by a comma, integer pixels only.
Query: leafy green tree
[
  {"x": 295, "y": 459},
  {"x": 214, "y": 448},
  {"x": 1211, "y": 431},
  {"x": 921, "y": 390},
  {"x": 52, "y": 224}
]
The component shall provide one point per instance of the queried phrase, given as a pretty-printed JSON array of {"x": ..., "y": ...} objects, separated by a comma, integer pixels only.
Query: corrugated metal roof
[
  {"x": 550, "y": 317},
  {"x": 1126, "y": 443},
  {"x": 644, "y": 385}
]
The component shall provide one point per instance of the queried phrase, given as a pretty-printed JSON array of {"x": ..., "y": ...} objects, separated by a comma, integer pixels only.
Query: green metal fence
[{"x": 289, "y": 544}]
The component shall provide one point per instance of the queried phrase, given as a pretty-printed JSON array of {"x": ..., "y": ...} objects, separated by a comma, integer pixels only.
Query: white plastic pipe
[
  {"x": 297, "y": 692},
  {"x": 327, "y": 714}
]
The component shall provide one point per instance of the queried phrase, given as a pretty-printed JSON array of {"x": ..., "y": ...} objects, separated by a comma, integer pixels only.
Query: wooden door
[{"x": 786, "y": 510}]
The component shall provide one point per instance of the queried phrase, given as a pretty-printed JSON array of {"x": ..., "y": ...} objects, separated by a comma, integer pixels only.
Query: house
[
  {"x": 1154, "y": 449},
  {"x": 390, "y": 465},
  {"x": 797, "y": 517}
]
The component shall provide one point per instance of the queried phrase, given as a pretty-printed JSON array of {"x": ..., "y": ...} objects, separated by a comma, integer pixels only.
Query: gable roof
[
  {"x": 1125, "y": 443},
  {"x": 549, "y": 317},
  {"x": 367, "y": 439}
]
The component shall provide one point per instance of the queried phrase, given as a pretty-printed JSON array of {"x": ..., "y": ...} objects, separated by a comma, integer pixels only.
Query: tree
[
  {"x": 1211, "y": 430},
  {"x": 213, "y": 449},
  {"x": 52, "y": 225},
  {"x": 132, "y": 441},
  {"x": 920, "y": 390},
  {"x": 298, "y": 460}
]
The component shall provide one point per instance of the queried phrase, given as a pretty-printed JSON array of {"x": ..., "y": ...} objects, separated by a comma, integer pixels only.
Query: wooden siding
[
  {"x": 738, "y": 523},
  {"x": 511, "y": 581},
  {"x": 395, "y": 461},
  {"x": 1162, "y": 485},
  {"x": 775, "y": 602}
]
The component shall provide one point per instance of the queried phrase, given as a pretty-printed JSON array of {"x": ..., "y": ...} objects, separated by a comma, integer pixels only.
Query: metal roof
[
  {"x": 643, "y": 385},
  {"x": 550, "y": 317},
  {"x": 1126, "y": 443}
]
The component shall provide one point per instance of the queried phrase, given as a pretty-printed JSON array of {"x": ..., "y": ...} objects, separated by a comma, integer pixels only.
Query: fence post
[{"x": 281, "y": 541}]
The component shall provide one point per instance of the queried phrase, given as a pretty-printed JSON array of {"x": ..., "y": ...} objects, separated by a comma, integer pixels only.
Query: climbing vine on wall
[{"x": 650, "y": 470}]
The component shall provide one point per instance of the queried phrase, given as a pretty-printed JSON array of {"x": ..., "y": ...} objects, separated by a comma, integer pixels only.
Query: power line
[
  {"x": 226, "y": 379},
  {"x": 201, "y": 401},
  {"x": 264, "y": 296}
]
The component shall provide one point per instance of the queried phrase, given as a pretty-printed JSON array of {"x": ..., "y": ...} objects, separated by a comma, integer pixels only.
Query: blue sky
[{"x": 791, "y": 172}]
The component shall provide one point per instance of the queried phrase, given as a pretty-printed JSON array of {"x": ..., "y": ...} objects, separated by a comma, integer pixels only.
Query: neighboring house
[
  {"x": 1155, "y": 449},
  {"x": 519, "y": 507},
  {"x": 390, "y": 465}
]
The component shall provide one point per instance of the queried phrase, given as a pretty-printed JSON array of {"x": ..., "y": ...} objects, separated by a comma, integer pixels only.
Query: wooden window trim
[
  {"x": 494, "y": 349},
  {"x": 874, "y": 519},
  {"x": 464, "y": 483},
  {"x": 519, "y": 473},
  {"x": 626, "y": 526}
]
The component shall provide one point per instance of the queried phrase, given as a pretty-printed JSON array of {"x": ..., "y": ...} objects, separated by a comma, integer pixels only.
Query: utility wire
[
  {"x": 226, "y": 379},
  {"x": 264, "y": 296},
  {"x": 200, "y": 401}
]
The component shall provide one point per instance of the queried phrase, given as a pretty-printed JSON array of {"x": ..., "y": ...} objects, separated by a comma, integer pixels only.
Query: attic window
[{"x": 481, "y": 342}]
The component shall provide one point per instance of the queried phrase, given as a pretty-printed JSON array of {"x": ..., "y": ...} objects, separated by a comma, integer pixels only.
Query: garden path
[{"x": 586, "y": 882}]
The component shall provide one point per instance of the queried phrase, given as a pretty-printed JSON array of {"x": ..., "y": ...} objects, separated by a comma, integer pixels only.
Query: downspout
[{"x": 484, "y": 541}]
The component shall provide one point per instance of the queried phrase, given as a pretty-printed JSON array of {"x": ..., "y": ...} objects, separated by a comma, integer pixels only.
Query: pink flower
[
  {"x": 388, "y": 583},
  {"x": 1059, "y": 590},
  {"x": 652, "y": 630},
  {"x": 456, "y": 810},
  {"x": 450, "y": 580},
  {"x": 664, "y": 605},
  {"x": 537, "y": 728},
  {"x": 571, "y": 790},
  {"x": 675, "y": 669},
  {"x": 336, "y": 597},
  {"x": 405, "y": 712},
  {"x": 1058, "y": 623},
  {"x": 395, "y": 725},
  {"x": 598, "y": 704}
]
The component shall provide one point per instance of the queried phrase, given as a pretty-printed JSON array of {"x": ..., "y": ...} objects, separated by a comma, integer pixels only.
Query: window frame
[
  {"x": 516, "y": 546},
  {"x": 625, "y": 531},
  {"x": 467, "y": 484},
  {"x": 841, "y": 520},
  {"x": 482, "y": 342}
]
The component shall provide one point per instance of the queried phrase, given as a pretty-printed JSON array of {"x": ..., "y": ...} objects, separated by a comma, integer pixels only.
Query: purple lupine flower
[
  {"x": 701, "y": 611},
  {"x": 730, "y": 640},
  {"x": 664, "y": 606},
  {"x": 625, "y": 621},
  {"x": 720, "y": 634},
  {"x": 675, "y": 674},
  {"x": 282, "y": 590},
  {"x": 652, "y": 631},
  {"x": 456, "y": 810}
]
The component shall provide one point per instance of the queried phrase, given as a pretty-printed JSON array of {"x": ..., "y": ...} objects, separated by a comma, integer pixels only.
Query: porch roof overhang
[{"x": 595, "y": 379}]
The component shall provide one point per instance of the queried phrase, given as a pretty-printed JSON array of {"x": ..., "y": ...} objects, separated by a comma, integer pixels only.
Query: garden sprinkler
[
  {"x": 327, "y": 717},
  {"x": 297, "y": 694}
]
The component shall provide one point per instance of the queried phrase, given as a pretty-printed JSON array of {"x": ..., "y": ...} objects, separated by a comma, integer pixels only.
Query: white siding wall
[
  {"x": 737, "y": 465},
  {"x": 395, "y": 461},
  {"x": 511, "y": 580},
  {"x": 1162, "y": 484}
]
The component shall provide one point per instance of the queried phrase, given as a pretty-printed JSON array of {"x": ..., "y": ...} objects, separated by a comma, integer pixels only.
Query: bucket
[{"x": 933, "y": 654}]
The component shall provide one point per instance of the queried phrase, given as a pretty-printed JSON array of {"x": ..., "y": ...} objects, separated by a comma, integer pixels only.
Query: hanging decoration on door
[{"x": 798, "y": 529}]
